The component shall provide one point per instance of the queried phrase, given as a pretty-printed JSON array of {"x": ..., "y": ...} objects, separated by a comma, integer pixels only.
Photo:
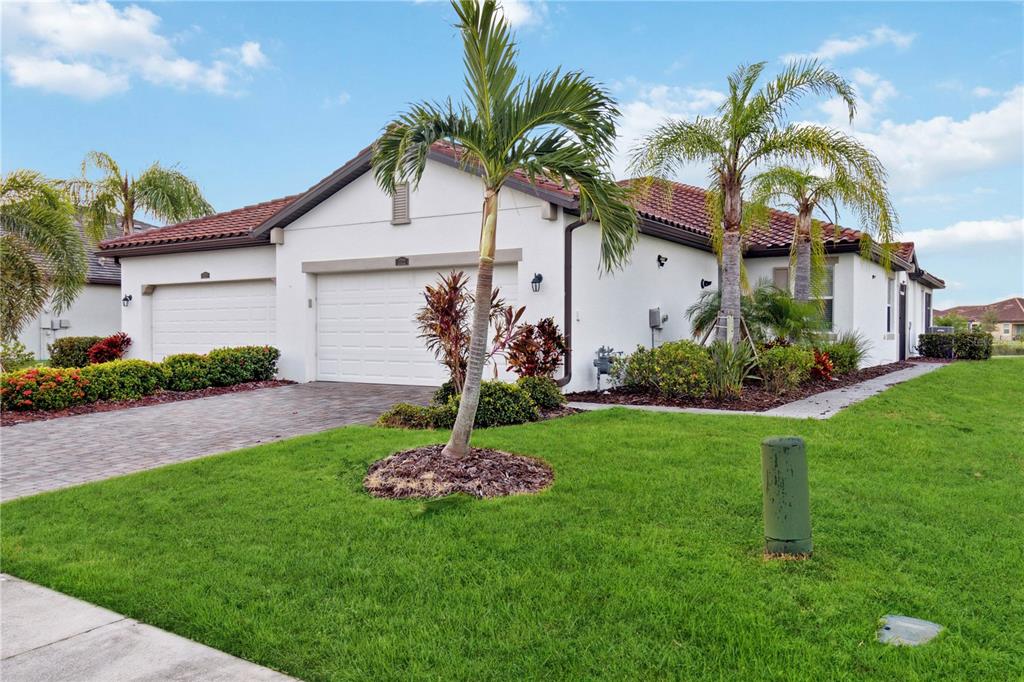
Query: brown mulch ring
[
  {"x": 755, "y": 398},
  {"x": 428, "y": 472},
  {"x": 12, "y": 418}
]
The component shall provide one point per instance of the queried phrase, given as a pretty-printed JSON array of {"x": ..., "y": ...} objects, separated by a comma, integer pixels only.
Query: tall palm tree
[
  {"x": 803, "y": 193},
  {"x": 750, "y": 132},
  {"x": 42, "y": 256},
  {"x": 113, "y": 199},
  {"x": 558, "y": 126}
]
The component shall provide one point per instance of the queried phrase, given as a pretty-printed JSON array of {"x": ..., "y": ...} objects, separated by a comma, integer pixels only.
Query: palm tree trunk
[
  {"x": 802, "y": 273},
  {"x": 731, "y": 266},
  {"x": 458, "y": 444}
]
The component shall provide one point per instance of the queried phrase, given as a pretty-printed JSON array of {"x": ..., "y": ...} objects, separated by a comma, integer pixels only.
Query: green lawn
[{"x": 643, "y": 560}]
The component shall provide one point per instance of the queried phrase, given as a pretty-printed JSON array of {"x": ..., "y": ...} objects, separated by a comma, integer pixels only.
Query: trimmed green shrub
[
  {"x": 14, "y": 356},
  {"x": 935, "y": 345},
  {"x": 847, "y": 352},
  {"x": 72, "y": 351},
  {"x": 783, "y": 368},
  {"x": 543, "y": 390},
  {"x": 444, "y": 393},
  {"x": 408, "y": 416},
  {"x": 500, "y": 404},
  {"x": 123, "y": 380},
  {"x": 43, "y": 388},
  {"x": 972, "y": 345},
  {"x": 187, "y": 372},
  {"x": 230, "y": 366},
  {"x": 674, "y": 369}
]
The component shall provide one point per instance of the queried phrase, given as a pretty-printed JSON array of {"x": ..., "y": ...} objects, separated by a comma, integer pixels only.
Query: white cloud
[
  {"x": 923, "y": 151},
  {"x": 652, "y": 104},
  {"x": 524, "y": 12},
  {"x": 873, "y": 94},
  {"x": 339, "y": 100},
  {"x": 982, "y": 91},
  {"x": 252, "y": 55},
  {"x": 52, "y": 75},
  {"x": 841, "y": 47},
  {"x": 966, "y": 233},
  {"x": 93, "y": 49}
]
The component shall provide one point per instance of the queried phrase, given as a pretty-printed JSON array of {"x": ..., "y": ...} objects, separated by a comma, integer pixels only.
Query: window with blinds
[{"x": 400, "y": 205}]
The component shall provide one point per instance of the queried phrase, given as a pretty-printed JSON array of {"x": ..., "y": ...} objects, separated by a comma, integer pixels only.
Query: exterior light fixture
[
  {"x": 704, "y": 283},
  {"x": 126, "y": 300},
  {"x": 662, "y": 260},
  {"x": 535, "y": 282}
]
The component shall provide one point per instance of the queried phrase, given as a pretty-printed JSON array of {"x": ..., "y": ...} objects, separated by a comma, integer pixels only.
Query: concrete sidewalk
[
  {"x": 45, "y": 635},
  {"x": 819, "y": 406}
]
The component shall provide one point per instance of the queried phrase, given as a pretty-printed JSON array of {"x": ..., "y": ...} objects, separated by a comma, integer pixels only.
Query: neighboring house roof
[
  {"x": 1010, "y": 310},
  {"x": 668, "y": 210}
]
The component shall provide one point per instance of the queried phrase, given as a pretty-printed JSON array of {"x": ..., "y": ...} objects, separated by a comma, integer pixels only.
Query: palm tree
[
  {"x": 803, "y": 192},
  {"x": 749, "y": 133},
  {"x": 558, "y": 126},
  {"x": 166, "y": 193},
  {"x": 42, "y": 256}
]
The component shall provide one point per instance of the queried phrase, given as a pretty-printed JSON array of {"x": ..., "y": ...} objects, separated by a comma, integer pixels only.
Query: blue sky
[{"x": 259, "y": 100}]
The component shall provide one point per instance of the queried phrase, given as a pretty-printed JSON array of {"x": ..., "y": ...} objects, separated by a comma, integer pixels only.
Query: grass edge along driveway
[{"x": 643, "y": 560}]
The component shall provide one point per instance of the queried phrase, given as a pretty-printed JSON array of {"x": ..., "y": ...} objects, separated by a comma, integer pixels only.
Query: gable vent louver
[{"x": 400, "y": 205}]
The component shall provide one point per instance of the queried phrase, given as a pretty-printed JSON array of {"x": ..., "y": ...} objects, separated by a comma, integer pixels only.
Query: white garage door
[
  {"x": 366, "y": 329},
  {"x": 196, "y": 318}
]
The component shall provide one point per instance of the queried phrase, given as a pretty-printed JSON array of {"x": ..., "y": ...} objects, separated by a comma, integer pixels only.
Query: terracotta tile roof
[
  {"x": 1010, "y": 310},
  {"x": 684, "y": 207},
  {"x": 236, "y": 223}
]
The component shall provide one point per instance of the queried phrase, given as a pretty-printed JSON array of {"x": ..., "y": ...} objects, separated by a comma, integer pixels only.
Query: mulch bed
[
  {"x": 428, "y": 472},
  {"x": 755, "y": 398},
  {"x": 13, "y": 418}
]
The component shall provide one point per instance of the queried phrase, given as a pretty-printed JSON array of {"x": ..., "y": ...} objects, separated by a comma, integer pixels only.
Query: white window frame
[
  {"x": 830, "y": 269},
  {"x": 890, "y": 299}
]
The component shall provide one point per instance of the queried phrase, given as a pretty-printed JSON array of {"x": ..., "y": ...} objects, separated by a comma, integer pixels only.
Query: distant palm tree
[
  {"x": 558, "y": 126},
  {"x": 803, "y": 192},
  {"x": 750, "y": 133},
  {"x": 42, "y": 256},
  {"x": 113, "y": 199}
]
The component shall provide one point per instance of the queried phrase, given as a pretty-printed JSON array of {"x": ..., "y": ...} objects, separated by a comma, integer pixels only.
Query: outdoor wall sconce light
[
  {"x": 662, "y": 260},
  {"x": 704, "y": 283},
  {"x": 535, "y": 282},
  {"x": 126, "y": 300}
]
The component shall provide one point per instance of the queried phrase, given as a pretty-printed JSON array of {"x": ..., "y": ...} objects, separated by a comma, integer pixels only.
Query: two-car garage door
[
  {"x": 366, "y": 328},
  {"x": 195, "y": 318}
]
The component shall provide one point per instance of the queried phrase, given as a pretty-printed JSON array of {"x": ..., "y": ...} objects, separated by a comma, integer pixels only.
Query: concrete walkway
[
  {"x": 47, "y": 455},
  {"x": 819, "y": 406},
  {"x": 50, "y": 636}
]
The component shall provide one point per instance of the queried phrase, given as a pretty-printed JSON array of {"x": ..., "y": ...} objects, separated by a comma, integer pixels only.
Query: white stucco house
[
  {"x": 95, "y": 312},
  {"x": 334, "y": 275}
]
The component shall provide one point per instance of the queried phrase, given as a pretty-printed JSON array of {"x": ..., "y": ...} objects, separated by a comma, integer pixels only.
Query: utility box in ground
[{"x": 787, "y": 507}]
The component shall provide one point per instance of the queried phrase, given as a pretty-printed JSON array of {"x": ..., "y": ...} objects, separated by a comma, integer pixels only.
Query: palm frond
[
  {"x": 489, "y": 55},
  {"x": 671, "y": 145},
  {"x": 169, "y": 194},
  {"x": 796, "y": 80}
]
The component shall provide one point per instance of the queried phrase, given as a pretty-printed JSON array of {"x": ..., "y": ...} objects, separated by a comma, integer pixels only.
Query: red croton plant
[
  {"x": 823, "y": 368},
  {"x": 111, "y": 348},
  {"x": 537, "y": 349}
]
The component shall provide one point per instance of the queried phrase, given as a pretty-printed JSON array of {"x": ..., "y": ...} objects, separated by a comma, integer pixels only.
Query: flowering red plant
[
  {"x": 823, "y": 368},
  {"x": 111, "y": 348}
]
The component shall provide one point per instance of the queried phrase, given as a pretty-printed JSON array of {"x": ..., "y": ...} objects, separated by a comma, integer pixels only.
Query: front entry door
[{"x": 903, "y": 322}]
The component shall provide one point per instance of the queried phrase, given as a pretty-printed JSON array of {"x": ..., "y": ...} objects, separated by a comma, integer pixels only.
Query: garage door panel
[
  {"x": 366, "y": 328},
  {"x": 196, "y": 318}
]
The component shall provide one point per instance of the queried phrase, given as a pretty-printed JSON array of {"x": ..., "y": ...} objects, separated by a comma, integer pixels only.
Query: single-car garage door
[
  {"x": 366, "y": 329},
  {"x": 195, "y": 318}
]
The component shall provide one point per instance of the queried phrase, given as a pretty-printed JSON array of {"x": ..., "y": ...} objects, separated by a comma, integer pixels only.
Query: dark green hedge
[
  {"x": 72, "y": 351},
  {"x": 960, "y": 345}
]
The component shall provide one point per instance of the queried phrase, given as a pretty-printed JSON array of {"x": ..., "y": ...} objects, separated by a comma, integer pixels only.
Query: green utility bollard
[{"x": 787, "y": 509}]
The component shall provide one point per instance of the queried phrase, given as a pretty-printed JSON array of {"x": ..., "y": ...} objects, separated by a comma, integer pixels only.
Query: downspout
[{"x": 567, "y": 289}]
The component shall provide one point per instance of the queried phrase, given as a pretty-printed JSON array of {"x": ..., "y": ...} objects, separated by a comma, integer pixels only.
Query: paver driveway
[{"x": 40, "y": 456}]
